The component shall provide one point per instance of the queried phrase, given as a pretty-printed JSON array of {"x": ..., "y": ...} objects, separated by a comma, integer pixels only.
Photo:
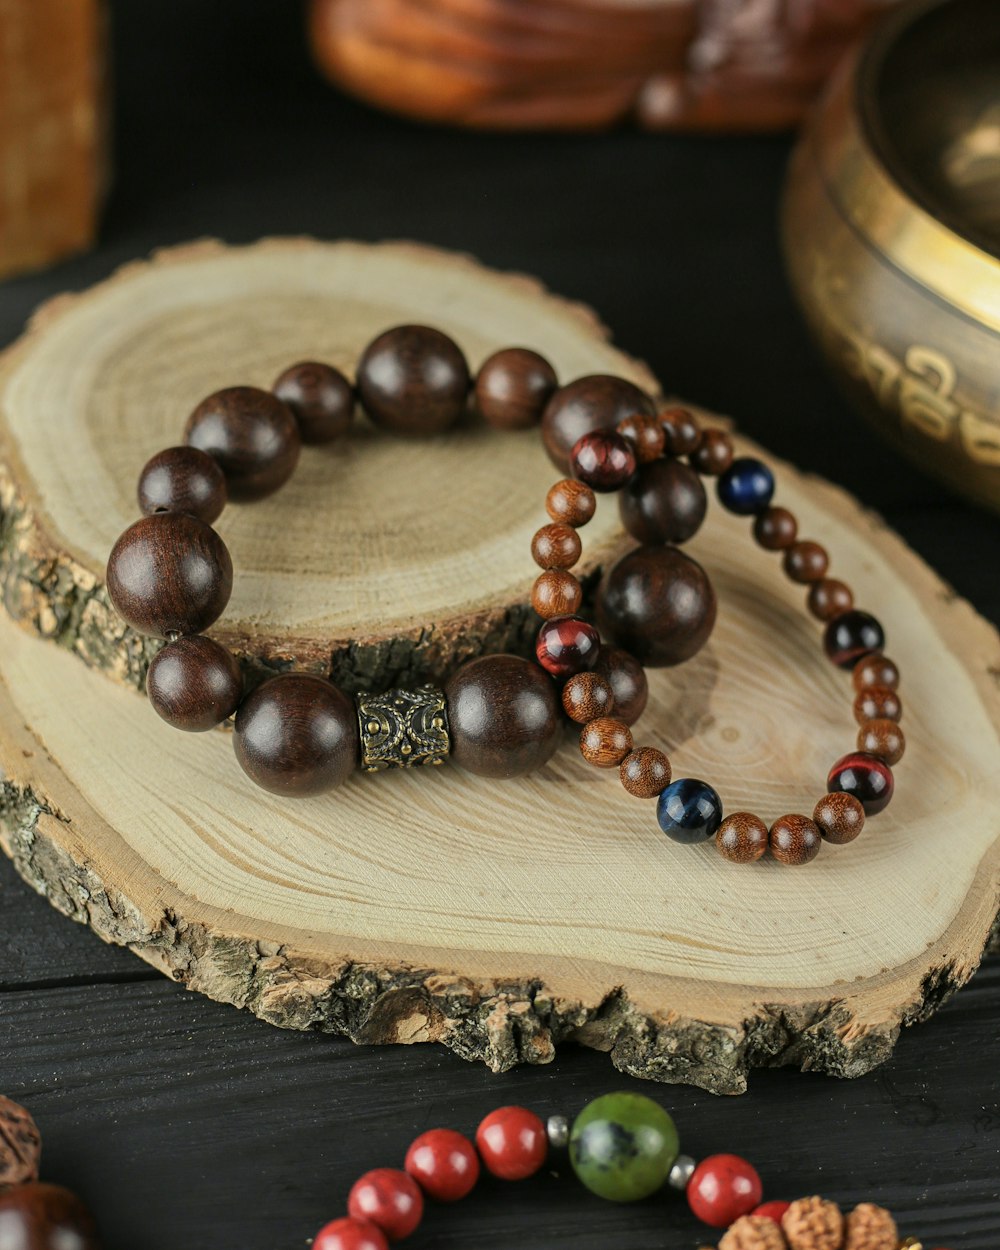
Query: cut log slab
[{"x": 501, "y": 919}]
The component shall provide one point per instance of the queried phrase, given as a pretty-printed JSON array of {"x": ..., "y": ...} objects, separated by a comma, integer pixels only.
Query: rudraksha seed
[
  {"x": 645, "y": 772},
  {"x": 851, "y": 636},
  {"x": 875, "y": 670},
  {"x": 20, "y": 1145},
  {"x": 828, "y": 598},
  {"x": 877, "y": 703},
  {"x": 645, "y": 433},
  {"x": 252, "y": 435},
  {"x": 775, "y": 529},
  {"x": 571, "y": 502},
  {"x": 795, "y": 839},
  {"x": 839, "y": 817},
  {"x": 194, "y": 683},
  {"x": 413, "y": 381},
  {"x": 588, "y": 696},
  {"x": 321, "y": 400},
  {"x": 754, "y": 1232},
  {"x": 665, "y": 502},
  {"x": 169, "y": 573},
  {"x": 556, "y": 546},
  {"x": 628, "y": 682},
  {"x": 603, "y": 460},
  {"x": 742, "y": 838},
  {"x": 556, "y": 593},
  {"x": 567, "y": 645},
  {"x": 805, "y": 561},
  {"x": 35, "y": 1216},
  {"x": 714, "y": 454},
  {"x": 183, "y": 479},
  {"x": 503, "y": 713},
  {"x": 512, "y": 388},
  {"x": 883, "y": 738},
  {"x": 595, "y": 402},
  {"x": 689, "y": 810},
  {"x": 813, "y": 1224},
  {"x": 681, "y": 431},
  {"x": 865, "y": 776},
  {"x": 871, "y": 1228},
  {"x": 605, "y": 742}
]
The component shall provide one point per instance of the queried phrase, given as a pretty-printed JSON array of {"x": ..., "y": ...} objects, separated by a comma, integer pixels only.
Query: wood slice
[{"x": 502, "y": 919}]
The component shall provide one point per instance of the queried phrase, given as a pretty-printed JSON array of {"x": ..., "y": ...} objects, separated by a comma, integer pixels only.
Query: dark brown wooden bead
[
  {"x": 645, "y": 433},
  {"x": 183, "y": 479},
  {"x": 795, "y": 839},
  {"x": 321, "y": 400},
  {"x": 169, "y": 573},
  {"x": 628, "y": 682},
  {"x": 875, "y": 670},
  {"x": 775, "y": 529},
  {"x": 413, "y": 380},
  {"x": 605, "y": 742},
  {"x": 297, "y": 735},
  {"x": 664, "y": 502},
  {"x": 714, "y": 454},
  {"x": 658, "y": 604},
  {"x": 556, "y": 593},
  {"x": 877, "y": 703},
  {"x": 742, "y": 838},
  {"x": 839, "y": 816},
  {"x": 827, "y": 598},
  {"x": 805, "y": 562},
  {"x": 252, "y": 435},
  {"x": 194, "y": 683},
  {"x": 681, "y": 431},
  {"x": 36, "y": 1216},
  {"x": 571, "y": 502},
  {"x": 503, "y": 714},
  {"x": 595, "y": 402},
  {"x": 587, "y": 697},
  {"x": 556, "y": 546},
  {"x": 644, "y": 772},
  {"x": 884, "y": 738},
  {"x": 513, "y": 387}
]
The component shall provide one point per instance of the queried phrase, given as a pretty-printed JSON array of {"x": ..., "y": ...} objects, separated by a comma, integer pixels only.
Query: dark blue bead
[
  {"x": 689, "y": 810},
  {"x": 746, "y": 486}
]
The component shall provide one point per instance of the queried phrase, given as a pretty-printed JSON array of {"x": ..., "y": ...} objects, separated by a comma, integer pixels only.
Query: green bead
[{"x": 622, "y": 1146}]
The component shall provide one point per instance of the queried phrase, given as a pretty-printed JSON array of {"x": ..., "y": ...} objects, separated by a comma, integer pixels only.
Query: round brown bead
[
  {"x": 839, "y": 816},
  {"x": 183, "y": 479},
  {"x": 714, "y": 454},
  {"x": 194, "y": 683},
  {"x": 595, "y": 402},
  {"x": 628, "y": 682},
  {"x": 169, "y": 573},
  {"x": 413, "y": 381},
  {"x": 321, "y": 400},
  {"x": 297, "y": 735},
  {"x": 513, "y": 387},
  {"x": 644, "y": 772},
  {"x": 805, "y": 562},
  {"x": 503, "y": 714},
  {"x": 556, "y": 593},
  {"x": 877, "y": 703},
  {"x": 741, "y": 838},
  {"x": 38, "y": 1216},
  {"x": 775, "y": 529},
  {"x": 884, "y": 738},
  {"x": 827, "y": 598},
  {"x": 665, "y": 502},
  {"x": 587, "y": 696},
  {"x": 875, "y": 670},
  {"x": 605, "y": 742},
  {"x": 556, "y": 546},
  {"x": 571, "y": 502},
  {"x": 681, "y": 431},
  {"x": 645, "y": 434},
  {"x": 252, "y": 435},
  {"x": 794, "y": 839}
]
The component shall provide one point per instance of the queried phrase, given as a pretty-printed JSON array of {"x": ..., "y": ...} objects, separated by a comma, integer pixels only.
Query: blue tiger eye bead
[
  {"x": 689, "y": 810},
  {"x": 746, "y": 486}
]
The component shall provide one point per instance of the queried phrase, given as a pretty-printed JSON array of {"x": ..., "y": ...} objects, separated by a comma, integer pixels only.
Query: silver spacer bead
[
  {"x": 681, "y": 1172},
  {"x": 557, "y": 1129}
]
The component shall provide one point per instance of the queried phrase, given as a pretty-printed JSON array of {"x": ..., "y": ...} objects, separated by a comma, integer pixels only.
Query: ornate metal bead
[
  {"x": 557, "y": 1128},
  {"x": 681, "y": 1172},
  {"x": 402, "y": 728}
]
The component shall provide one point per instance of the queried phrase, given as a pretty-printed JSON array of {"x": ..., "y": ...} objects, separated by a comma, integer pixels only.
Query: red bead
[
  {"x": 865, "y": 776},
  {"x": 567, "y": 645},
  {"x": 771, "y": 1211},
  {"x": 603, "y": 459},
  {"x": 722, "y": 1188},
  {"x": 445, "y": 1163},
  {"x": 350, "y": 1234},
  {"x": 389, "y": 1199},
  {"x": 512, "y": 1142}
]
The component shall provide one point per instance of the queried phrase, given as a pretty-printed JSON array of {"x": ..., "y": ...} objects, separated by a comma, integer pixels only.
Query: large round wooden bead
[
  {"x": 252, "y": 435},
  {"x": 413, "y": 381},
  {"x": 605, "y": 742},
  {"x": 644, "y": 772},
  {"x": 596, "y": 402},
  {"x": 852, "y": 635},
  {"x": 689, "y": 810},
  {"x": 556, "y": 593},
  {"x": 503, "y": 716},
  {"x": 658, "y": 604},
  {"x": 839, "y": 817},
  {"x": 570, "y": 502},
  {"x": 603, "y": 459},
  {"x": 194, "y": 683},
  {"x": 665, "y": 502},
  {"x": 795, "y": 840},
  {"x": 742, "y": 838},
  {"x": 567, "y": 645},
  {"x": 183, "y": 479},
  {"x": 321, "y": 400},
  {"x": 36, "y": 1216},
  {"x": 587, "y": 696},
  {"x": 622, "y": 1146},
  {"x": 169, "y": 573},
  {"x": 627, "y": 677},
  {"x": 865, "y": 776},
  {"x": 883, "y": 738},
  {"x": 513, "y": 387},
  {"x": 297, "y": 734}
]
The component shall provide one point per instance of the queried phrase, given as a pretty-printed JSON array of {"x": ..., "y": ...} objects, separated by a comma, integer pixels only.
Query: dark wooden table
[{"x": 189, "y": 1124}]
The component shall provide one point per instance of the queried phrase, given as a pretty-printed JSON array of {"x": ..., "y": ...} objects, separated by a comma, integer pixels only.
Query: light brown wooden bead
[
  {"x": 742, "y": 838},
  {"x": 556, "y": 593},
  {"x": 645, "y": 433},
  {"x": 571, "y": 502},
  {"x": 605, "y": 742},
  {"x": 775, "y": 529},
  {"x": 795, "y": 839},
  {"x": 877, "y": 703},
  {"x": 644, "y": 772},
  {"x": 875, "y": 670},
  {"x": 828, "y": 598},
  {"x": 714, "y": 454},
  {"x": 681, "y": 431},
  {"x": 839, "y": 816},
  {"x": 587, "y": 696},
  {"x": 805, "y": 562},
  {"x": 884, "y": 738},
  {"x": 556, "y": 546}
]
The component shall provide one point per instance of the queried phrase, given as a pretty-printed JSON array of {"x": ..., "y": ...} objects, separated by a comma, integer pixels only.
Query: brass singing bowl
[{"x": 891, "y": 230}]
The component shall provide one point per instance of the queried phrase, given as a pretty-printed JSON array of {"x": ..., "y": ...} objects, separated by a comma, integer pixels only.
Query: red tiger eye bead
[
  {"x": 512, "y": 1143},
  {"x": 603, "y": 460},
  {"x": 851, "y": 636},
  {"x": 444, "y": 1162},
  {"x": 350, "y": 1234},
  {"x": 722, "y": 1188},
  {"x": 567, "y": 645},
  {"x": 389, "y": 1199},
  {"x": 865, "y": 776}
]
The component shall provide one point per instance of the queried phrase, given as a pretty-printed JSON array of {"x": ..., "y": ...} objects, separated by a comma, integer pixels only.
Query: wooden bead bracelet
[{"x": 170, "y": 575}]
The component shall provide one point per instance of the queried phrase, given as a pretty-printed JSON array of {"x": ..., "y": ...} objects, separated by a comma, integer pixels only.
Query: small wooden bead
[
  {"x": 183, "y": 479},
  {"x": 628, "y": 682},
  {"x": 839, "y": 817},
  {"x": 556, "y": 593},
  {"x": 877, "y": 703},
  {"x": 875, "y": 670},
  {"x": 595, "y": 402},
  {"x": 681, "y": 431},
  {"x": 194, "y": 683},
  {"x": 503, "y": 716},
  {"x": 512, "y": 388},
  {"x": 413, "y": 381},
  {"x": 567, "y": 645},
  {"x": 571, "y": 502},
  {"x": 884, "y": 738},
  {"x": 805, "y": 562},
  {"x": 828, "y": 598},
  {"x": 604, "y": 460},
  {"x": 665, "y": 502},
  {"x": 252, "y": 435},
  {"x": 742, "y": 838},
  {"x": 644, "y": 772},
  {"x": 321, "y": 400},
  {"x": 645, "y": 434},
  {"x": 587, "y": 697},
  {"x": 714, "y": 454},
  {"x": 605, "y": 742},
  {"x": 794, "y": 839},
  {"x": 775, "y": 529},
  {"x": 556, "y": 546}
]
